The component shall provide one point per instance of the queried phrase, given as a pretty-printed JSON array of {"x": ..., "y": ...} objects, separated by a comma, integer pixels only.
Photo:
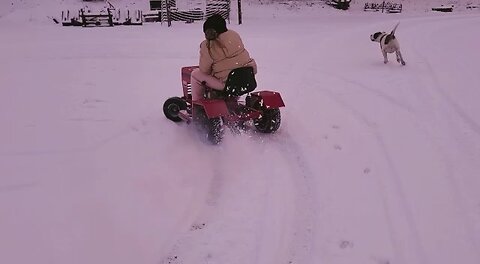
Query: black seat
[{"x": 240, "y": 81}]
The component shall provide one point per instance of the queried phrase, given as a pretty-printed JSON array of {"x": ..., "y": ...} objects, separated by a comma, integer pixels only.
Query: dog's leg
[
  {"x": 385, "y": 59},
  {"x": 399, "y": 57}
]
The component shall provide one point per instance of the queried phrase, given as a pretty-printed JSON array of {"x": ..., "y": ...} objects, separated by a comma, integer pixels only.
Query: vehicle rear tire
[
  {"x": 210, "y": 129},
  {"x": 269, "y": 121},
  {"x": 172, "y": 107},
  {"x": 215, "y": 130}
]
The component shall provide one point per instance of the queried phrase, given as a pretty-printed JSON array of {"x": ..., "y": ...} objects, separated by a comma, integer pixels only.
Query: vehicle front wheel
[{"x": 172, "y": 107}]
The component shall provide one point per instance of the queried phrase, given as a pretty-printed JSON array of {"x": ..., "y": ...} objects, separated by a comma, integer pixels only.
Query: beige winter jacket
[{"x": 218, "y": 57}]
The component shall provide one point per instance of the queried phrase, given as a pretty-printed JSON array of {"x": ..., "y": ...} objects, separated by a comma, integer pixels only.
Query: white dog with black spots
[{"x": 388, "y": 44}]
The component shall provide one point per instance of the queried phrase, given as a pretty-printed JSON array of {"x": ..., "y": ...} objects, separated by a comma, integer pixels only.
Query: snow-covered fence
[
  {"x": 130, "y": 19},
  {"x": 171, "y": 10},
  {"x": 472, "y": 6},
  {"x": 109, "y": 18},
  {"x": 152, "y": 16},
  {"x": 384, "y": 7},
  {"x": 221, "y": 7},
  {"x": 89, "y": 19},
  {"x": 160, "y": 11},
  {"x": 188, "y": 16},
  {"x": 71, "y": 19}
]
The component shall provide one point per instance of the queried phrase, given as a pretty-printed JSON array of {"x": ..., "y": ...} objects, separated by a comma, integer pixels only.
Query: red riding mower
[{"x": 219, "y": 109}]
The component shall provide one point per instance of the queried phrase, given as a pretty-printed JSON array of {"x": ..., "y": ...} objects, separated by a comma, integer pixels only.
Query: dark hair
[{"x": 214, "y": 26}]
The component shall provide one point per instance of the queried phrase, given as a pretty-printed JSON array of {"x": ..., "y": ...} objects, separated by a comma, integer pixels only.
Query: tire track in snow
[
  {"x": 285, "y": 223},
  {"x": 387, "y": 98},
  {"x": 302, "y": 233},
  {"x": 283, "y": 207},
  {"x": 437, "y": 87},
  {"x": 434, "y": 84},
  {"x": 192, "y": 237},
  {"x": 292, "y": 150},
  {"x": 398, "y": 186},
  {"x": 395, "y": 175},
  {"x": 222, "y": 230},
  {"x": 394, "y": 233}
]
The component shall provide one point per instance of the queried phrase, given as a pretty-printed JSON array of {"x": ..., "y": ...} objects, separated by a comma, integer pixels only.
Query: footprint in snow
[
  {"x": 344, "y": 244},
  {"x": 197, "y": 226}
]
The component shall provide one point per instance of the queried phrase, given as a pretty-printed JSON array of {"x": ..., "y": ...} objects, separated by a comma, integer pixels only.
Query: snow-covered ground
[{"x": 373, "y": 163}]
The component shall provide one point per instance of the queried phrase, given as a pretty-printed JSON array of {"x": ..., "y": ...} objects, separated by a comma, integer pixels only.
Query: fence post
[
  {"x": 110, "y": 17},
  {"x": 239, "y": 11},
  {"x": 169, "y": 19},
  {"x": 84, "y": 20}
]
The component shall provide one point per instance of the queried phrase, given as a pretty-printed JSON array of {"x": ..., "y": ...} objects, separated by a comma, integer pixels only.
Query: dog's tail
[{"x": 393, "y": 31}]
